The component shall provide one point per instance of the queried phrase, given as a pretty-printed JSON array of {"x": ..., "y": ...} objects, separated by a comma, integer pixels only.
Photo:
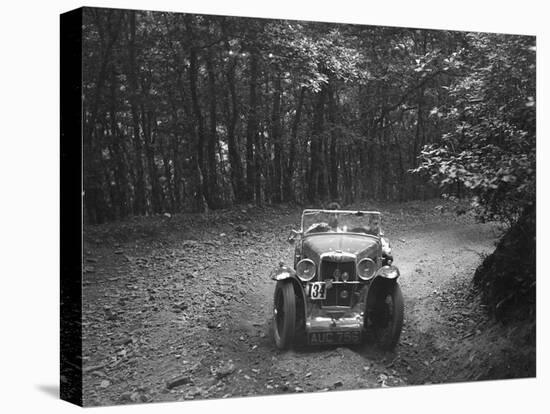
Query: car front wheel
[
  {"x": 388, "y": 317},
  {"x": 284, "y": 314}
]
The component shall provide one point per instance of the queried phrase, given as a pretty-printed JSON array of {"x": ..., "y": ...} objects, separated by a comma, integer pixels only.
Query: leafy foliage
[{"x": 490, "y": 147}]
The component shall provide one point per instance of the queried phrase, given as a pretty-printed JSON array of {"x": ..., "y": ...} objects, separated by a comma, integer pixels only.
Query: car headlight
[
  {"x": 305, "y": 269},
  {"x": 366, "y": 269}
]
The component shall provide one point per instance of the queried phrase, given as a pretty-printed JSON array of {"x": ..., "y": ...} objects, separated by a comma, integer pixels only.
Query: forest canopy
[{"x": 186, "y": 112}]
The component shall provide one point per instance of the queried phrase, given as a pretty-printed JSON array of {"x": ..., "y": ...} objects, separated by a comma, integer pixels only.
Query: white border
[{"x": 29, "y": 207}]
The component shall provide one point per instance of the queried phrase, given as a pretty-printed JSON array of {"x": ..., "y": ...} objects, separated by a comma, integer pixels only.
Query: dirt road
[{"x": 178, "y": 308}]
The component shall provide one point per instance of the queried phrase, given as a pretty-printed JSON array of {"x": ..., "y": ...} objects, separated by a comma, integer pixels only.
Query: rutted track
[{"x": 178, "y": 308}]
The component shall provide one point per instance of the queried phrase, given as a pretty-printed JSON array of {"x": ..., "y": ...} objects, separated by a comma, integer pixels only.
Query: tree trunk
[
  {"x": 316, "y": 160},
  {"x": 288, "y": 192},
  {"x": 277, "y": 145},
  {"x": 177, "y": 198},
  {"x": 237, "y": 178},
  {"x": 147, "y": 118},
  {"x": 347, "y": 175},
  {"x": 252, "y": 128},
  {"x": 258, "y": 169},
  {"x": 333, "y": 157},
  {"x": 121, "y": 173},
  {"x": 418, "y": 136},
  {"x": 213, "y": 191},
  {"x": 165, "y": 152},
  {"x": 200, "y": 193},
  {"x": 139, "y": 195}
]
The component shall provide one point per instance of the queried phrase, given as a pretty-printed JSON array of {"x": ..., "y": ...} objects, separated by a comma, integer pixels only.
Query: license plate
[
  {"x": 318, "y": 291},
  {"x": 328, "y": 338}
]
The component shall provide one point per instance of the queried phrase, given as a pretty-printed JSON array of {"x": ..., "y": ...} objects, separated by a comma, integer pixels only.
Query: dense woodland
[{"x": 190, "y": 112}]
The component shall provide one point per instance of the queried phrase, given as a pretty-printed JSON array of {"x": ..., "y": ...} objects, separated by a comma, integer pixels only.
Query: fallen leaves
[
  {"x": 224, "y": 370},
  {"x": 92, "y": 368},
  {"x": 178, "y": 381}
]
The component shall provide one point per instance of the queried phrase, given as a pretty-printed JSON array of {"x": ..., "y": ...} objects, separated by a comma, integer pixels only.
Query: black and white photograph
[
  {"x": 278, "y": 206},
  {"x": 270, "y": 206},
  {"x": 287, "y": 206}
]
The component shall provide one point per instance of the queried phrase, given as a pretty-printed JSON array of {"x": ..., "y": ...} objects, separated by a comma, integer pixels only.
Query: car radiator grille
[
  {"x": 329, "y": 268},
  {"x": 334, "y": 293}
]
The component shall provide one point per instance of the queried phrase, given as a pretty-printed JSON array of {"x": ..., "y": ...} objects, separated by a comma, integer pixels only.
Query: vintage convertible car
[{"x": 343, "y": 287}]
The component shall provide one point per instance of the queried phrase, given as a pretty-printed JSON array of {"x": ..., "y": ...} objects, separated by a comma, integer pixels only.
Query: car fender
[
  {"x": 388, "y": 272},
  {"x": 384, "y": 278},
  {"x": 283, "y": 273}
]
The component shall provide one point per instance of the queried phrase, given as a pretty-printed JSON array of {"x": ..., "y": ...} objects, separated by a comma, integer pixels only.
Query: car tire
[
  {"x": 389, "y": 320},
  {"x": 284, "y": 315}
]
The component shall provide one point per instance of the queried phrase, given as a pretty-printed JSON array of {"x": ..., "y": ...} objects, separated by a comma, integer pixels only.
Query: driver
[
  {"x": 387, "y": 257},
  {"x": 333, "y": 219}
]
